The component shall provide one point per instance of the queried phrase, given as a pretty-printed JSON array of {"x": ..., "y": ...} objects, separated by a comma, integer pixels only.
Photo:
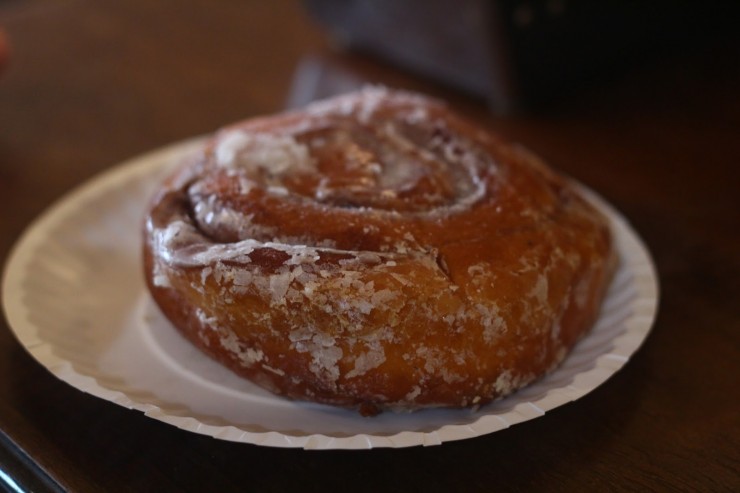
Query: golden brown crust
[{"x": 376, "y": 251}]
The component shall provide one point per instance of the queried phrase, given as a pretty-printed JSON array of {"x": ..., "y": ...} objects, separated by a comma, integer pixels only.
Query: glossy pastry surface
[{"x": 376, "y": 251}]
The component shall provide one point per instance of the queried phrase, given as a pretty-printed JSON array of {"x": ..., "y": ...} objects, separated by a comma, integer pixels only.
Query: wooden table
[{"x": 93, "y": 83}]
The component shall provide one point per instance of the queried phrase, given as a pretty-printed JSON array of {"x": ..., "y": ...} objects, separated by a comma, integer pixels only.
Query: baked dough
[{"x": 375, "y": 251}]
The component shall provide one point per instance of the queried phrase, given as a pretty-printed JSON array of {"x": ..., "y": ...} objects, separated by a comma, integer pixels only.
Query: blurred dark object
[{"x": 520, "y": 54}]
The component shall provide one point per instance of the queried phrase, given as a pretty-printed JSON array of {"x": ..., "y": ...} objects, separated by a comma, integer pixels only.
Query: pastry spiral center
[{"x": 390, "y": 165}]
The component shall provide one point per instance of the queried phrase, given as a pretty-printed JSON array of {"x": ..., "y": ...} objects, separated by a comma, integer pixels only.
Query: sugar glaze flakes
[{"x": 375, "y": 251}]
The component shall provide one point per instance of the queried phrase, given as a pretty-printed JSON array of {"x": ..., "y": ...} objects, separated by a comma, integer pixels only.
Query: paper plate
[{"x": 74, "y": 295}]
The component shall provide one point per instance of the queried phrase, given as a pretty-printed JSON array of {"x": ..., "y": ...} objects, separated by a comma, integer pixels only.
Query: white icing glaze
[
  {"x": 276, "y": 155},
  {"x": 267, "y": 162}
]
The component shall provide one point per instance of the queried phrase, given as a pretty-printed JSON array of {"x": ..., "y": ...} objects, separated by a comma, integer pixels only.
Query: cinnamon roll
[{"x": 376, "y": 251}]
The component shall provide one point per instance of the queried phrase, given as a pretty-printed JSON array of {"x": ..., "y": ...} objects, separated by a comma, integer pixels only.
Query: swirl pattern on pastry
[{"x": 376, "y": 251}]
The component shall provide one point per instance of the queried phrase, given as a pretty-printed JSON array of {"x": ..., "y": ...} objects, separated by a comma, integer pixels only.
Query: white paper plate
[{"x": 74, "y": 294}]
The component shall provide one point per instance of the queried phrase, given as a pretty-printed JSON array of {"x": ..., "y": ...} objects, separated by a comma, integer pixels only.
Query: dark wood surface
[{"x": 92, "y": 83}]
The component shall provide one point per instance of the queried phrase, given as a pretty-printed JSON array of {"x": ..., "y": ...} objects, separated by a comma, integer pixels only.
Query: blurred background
[
  {"x": 638, "y": 100},
  {"x": 521, "y": 54}
]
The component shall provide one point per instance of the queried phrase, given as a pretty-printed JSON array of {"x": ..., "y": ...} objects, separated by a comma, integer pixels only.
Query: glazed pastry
[{"x": 375, "y": 251}]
